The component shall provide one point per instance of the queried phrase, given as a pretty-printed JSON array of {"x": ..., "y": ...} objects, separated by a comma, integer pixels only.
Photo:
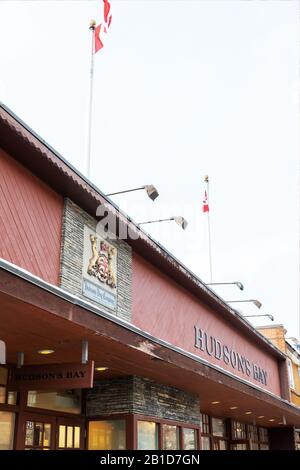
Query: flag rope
[
  {"x": 206, "y": 179},
  {"x": 90, "y": 111}
]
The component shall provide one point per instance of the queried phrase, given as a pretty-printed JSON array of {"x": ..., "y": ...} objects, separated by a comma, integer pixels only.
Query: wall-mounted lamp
[
  {"x": 149, "y": 188},
  {"x": 238, "y": 284},
  {"x": 178, "y": 220}
]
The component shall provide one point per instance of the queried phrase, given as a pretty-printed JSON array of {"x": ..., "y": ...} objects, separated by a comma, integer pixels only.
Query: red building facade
[{"x": 112, "y": 343}]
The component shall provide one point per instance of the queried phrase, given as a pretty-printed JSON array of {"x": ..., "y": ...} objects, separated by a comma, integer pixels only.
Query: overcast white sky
[{"x": 182, "y": 89}]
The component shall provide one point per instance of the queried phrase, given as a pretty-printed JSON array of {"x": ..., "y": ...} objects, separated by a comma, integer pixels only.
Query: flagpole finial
[
  {"x": 92, "y": 24},
  {"x": 206, "y": 179}
]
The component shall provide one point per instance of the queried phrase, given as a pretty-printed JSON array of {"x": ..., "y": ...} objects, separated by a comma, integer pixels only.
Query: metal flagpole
[
  {"x": 89, "y": 137},
  {"x": 206, "y": 179}
]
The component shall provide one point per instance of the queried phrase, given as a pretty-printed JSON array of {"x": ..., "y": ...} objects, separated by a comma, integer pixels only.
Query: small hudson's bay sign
[
  {"x": 214, "y": 348},
  {"x": 52, "y": 377},
  {"x": 99, "y": 272}
]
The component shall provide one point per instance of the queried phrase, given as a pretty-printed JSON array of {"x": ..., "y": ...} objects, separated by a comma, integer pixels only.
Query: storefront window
[
  {"x": 218, "y": 427},
  {"x": 147, "y": 435},
  {"x": 252, "y": 432},
  {"x": 11, "y": 397},
  {"x": 107, "y": 435},
  {"x": 220, "y": 444},
  {"x": 241, "y": 446},
  {"x": 238, "y": 430},
  {"x": 2, "y": 394},
  {"x": 297, "y": 436},
  {"x": 205, "y": 423},
  {"x": 170, "y": 437},
  {"x": 7, "y": 426},
  {"x": 68, "y": 401},
  {"x": 263, "y": 439},
  {"x": 205, "y": 443},
  {"x": 189, "y": 439}
]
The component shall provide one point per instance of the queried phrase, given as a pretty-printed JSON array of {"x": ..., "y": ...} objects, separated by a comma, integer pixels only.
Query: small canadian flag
[{"x": 205, "y": 207}]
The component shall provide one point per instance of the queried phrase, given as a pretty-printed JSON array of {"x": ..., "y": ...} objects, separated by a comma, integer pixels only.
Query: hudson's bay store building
[{"x": 175, "y": 366}]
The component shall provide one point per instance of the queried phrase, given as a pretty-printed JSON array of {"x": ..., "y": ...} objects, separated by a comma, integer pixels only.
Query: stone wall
[
  {"x": 74, "y": 220},
  {"x": 142, "y": 396}
]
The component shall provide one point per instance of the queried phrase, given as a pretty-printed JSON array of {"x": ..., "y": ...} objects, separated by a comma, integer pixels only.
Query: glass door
[{"x": 38, "y": 432}]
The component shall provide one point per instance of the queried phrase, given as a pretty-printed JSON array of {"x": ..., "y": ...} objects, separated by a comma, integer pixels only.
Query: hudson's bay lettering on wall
[
  {"x": 99, "y": 270},
  {"x": 52, "y": 377},
  {"x": 230, "y": 357}
]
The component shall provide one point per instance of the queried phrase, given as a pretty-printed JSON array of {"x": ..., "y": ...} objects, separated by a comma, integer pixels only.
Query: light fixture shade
[
  {"x": 271, "y": 317},
  {"x": 257, "y": 303},
  {"x": 240, "y": 285},
  {"x": 151, "y": 191},
  {"x": 181, "y": 222}
]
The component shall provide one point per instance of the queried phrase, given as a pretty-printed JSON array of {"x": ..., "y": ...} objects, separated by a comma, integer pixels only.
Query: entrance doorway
[{"x": 46, "y": 432}]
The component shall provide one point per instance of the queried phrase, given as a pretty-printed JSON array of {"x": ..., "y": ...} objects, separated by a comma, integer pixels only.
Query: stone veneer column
[
  {"x": 142, "y": 396},
  {"x": 74, "y": 220}
]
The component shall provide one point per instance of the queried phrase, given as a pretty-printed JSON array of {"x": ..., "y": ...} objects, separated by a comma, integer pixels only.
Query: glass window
[
  {"x": 37, "y": 435},
  {"x": 7, "y": 426},
  {"x": 241, "y": 446},
  {"x": 263, "y": 435},
  {"x": 205, "y": 443},
  {"x": 69, "y": 437},
  {"x": 68, "y": 401},
  {"x": 12, "y": 398},
  {"x": 222, "y": 445},
  {"x": 47, "y": 435},
  {"x": 2, "y": 394},
  {"x": 252, "y": 432},
  {"x": 147, "y": 435},
  {"x": 107, "y": 435},
  {"x": 76, "y": 437},
  {"x": 170, "y": 437},
  {"x": 291, "y": 375},
  {"x": 204, "y": 423},
  {"x": 62, "y": 436},
  {"x": 264, "y": 447},
  {"x": 189, "y": 439},
  {"x": 238, "y": 430},
  {"x": 219, "y": 444},
  {"x": 218, "y": 427}
]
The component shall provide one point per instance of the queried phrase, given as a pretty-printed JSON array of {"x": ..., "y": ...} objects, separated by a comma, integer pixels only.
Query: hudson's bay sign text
[{"x": 230, "y": 357}]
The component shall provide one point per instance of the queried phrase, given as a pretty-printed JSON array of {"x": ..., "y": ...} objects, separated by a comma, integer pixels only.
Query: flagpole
[
  {"x": 206, "y": 179},
  {"x": 90, "y": 111}
]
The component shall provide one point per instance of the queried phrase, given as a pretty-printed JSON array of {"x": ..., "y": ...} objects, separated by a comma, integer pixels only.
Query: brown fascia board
[{"x": 23, "y": 144}]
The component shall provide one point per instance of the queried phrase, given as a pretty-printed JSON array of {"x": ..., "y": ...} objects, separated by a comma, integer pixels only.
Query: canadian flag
[
  {"x": 205, "y": 207},
  {"x": 102, "y": 29}
]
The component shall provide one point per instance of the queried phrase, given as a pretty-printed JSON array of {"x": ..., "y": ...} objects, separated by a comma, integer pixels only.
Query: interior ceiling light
[
  {"x": 233, "y": 407},
  {"x": 46, "y": 351},
  {"x": 101, "y": 369},
  {"x": 215, "y": 402}
]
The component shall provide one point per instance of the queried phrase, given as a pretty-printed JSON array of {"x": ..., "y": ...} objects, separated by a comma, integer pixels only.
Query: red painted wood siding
[
  {"x": 30, "y": 221},
  {"x": 168, "y": 311}
]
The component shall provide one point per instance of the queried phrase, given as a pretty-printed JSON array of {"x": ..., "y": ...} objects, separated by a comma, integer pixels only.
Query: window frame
[
  {"x": 160, "y": 421},
  {"x": 290, "y": 374}
]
